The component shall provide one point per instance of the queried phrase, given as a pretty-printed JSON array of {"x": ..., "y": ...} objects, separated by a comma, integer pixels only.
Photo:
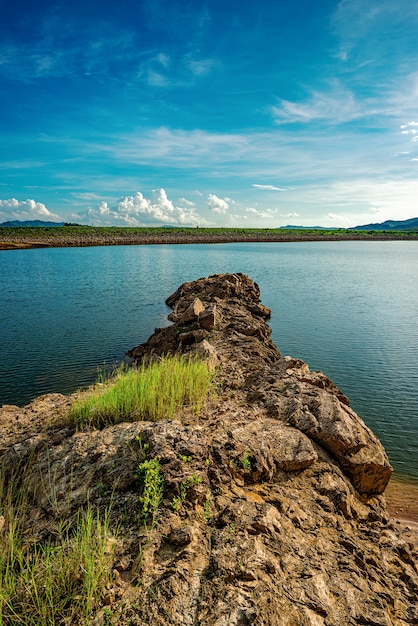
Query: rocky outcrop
[
  {"x": 272, "y": 510},
  {"x": 228, "y": 306}
]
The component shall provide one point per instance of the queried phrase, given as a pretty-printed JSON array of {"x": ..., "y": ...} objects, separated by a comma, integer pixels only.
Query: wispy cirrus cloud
[
  {"x": 367, "y": 30},
  {"x": 268, "y": 187},
  {"x": 337, "y": 104}
]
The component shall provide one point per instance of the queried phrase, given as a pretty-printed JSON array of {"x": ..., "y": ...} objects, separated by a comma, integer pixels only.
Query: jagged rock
[
  {"x": 204, "y": 350},
  {"x": 209, "y": 318},
  {"x": 193, "y": 336},
  {"x": 192, "y": 311},
  {"x": 271, "y": 512}
]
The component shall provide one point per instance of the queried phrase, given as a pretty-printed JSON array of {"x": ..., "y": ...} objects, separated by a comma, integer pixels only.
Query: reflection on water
[{"x": 348, "y": 308}]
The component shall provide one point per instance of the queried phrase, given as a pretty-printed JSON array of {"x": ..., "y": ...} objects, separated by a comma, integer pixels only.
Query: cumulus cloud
[
  {"x": 13, "y": 209},
  {"x": 268, "y": 187},
  {"x": 140, "y": 211},
  {"x": 187, "y": 203},
  {"x": 218, "y": 205}
]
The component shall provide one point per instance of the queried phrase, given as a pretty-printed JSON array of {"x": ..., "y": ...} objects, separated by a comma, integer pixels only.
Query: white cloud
[
  {"x": 408, "y": 124},
  {"x": 187, "y": 203},
  {"x": 337, "y": 105},
  {"x": 364, "y": 201},
  {"x": 12, "y": 209},
  {"x": 262, "y": 213},
  {"x": 200, "y": 67},
  {"x": 86, "y": 196},
  {"x": 139, "y": 211},
  {"x": 268, "y": 187},
  {"x": 335, "y": 216},
  {"x": 217, "y": 205},
  {"x": 156, "y": 79},
  {"x": 410, "y": 129},
  {"x": 103, "y": 209}
]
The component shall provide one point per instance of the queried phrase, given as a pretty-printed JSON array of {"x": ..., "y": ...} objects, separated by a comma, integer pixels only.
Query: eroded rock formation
[{"x": 272, "y": 513}]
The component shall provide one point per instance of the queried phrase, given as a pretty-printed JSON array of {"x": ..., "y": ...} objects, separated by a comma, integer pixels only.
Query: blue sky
[{"x": 209, "y": 113}]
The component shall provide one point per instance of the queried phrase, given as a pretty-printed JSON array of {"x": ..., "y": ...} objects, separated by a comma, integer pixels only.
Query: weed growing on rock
[
  {"x": 245, "y": 461},
  {"x": 206, "y": 511},
  {"x": 151, "y": 392},
  {"x": 150, "y": 475},
  {"x": 185, "y": 485}
]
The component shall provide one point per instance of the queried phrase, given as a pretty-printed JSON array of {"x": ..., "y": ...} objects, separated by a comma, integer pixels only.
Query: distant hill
[
  {"x": 31, "y": 223},
  {"x": 411, "y": 224}
]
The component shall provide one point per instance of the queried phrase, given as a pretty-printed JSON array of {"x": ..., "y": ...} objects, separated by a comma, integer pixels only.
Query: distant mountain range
[
  {"x": 31, "y": 223},
  {"x": 411, "y": 224}
]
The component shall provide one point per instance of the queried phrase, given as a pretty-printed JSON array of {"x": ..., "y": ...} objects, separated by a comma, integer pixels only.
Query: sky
[{"x": 216, "y": 113}]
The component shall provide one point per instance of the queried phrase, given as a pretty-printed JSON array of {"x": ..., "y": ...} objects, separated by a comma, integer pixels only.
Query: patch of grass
[
  {"x": 51, "y": 582},
  {"x": 151, "y": 392}
]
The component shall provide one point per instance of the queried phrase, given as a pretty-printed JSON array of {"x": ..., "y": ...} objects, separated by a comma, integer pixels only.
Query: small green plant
[
  {"x": 185, "y": 459},
  {"x": 206, "y": 511},
  {"x": 151, "y": 392},
  {"x": 176, "y": 503},
  {"x": 245, "y": 461},
  {"x": 150, "y": 475},
  {"x": 231, "y": 528},
  {"x": 185, "y": 485}
]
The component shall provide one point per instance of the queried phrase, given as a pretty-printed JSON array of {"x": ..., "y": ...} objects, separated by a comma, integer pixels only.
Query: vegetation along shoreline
[{"x": 16, "y": 237}]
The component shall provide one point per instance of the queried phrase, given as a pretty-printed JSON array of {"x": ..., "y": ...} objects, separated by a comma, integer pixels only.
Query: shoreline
[
  {"x": 402, "y": 505},
  {"x": 67, "y": 237},
  {"x": 402, "y": 499}
]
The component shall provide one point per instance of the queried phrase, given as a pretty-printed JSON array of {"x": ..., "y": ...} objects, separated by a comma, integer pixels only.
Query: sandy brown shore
[
  {"x": 402, "y": 501},
  {"x": 402, "y": 498}
]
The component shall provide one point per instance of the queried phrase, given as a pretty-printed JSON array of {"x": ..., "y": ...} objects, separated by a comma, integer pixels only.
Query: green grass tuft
[
  {"x": 151, "y": 392},
  {"x": 57, "y": 581}
]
